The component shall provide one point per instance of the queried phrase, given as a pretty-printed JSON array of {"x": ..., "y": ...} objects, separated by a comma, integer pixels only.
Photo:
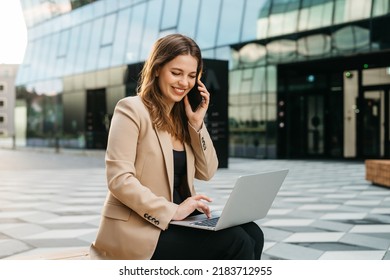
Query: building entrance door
[
  {"x": 373, "y": 131},
  {"x": 97, "y": 122},
  {"x": 314, "y": 127}
]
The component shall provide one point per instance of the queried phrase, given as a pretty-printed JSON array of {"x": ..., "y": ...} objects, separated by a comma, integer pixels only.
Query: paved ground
[{"x": 325, "y": 210}]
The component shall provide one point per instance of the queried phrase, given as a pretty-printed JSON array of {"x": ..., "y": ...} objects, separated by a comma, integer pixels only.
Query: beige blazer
[{"x": 139, "y": 167}]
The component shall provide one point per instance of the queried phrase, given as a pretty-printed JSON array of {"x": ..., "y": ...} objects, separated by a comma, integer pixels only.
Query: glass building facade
[{"x": 307, "y": 78}]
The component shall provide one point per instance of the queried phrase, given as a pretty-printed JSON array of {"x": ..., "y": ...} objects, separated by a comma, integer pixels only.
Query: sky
[{"x": 13, "y": 34}]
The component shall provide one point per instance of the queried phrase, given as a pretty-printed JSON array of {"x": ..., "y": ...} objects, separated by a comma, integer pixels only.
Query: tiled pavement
[{"x": 325, "y": 209}]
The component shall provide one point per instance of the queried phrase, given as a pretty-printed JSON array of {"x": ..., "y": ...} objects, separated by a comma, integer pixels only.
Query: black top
[{"x": 181, "y": 190}]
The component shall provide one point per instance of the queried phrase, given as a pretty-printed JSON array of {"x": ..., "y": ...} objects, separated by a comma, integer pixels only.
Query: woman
[{"x": 157, "y": 145}]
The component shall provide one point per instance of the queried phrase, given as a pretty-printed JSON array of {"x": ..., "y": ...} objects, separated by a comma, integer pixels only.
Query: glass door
[{"x": 374, "y": 142}]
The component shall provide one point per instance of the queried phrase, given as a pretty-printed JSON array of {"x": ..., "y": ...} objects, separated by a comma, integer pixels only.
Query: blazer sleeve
[
  {"x": 206, "y": 160},
  {"x": 121, "y": 171}
]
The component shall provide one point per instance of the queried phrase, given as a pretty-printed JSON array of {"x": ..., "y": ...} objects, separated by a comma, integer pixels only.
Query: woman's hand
[
  {"x": 196, "y": 118},
  {"x": 190, "y": 205}
]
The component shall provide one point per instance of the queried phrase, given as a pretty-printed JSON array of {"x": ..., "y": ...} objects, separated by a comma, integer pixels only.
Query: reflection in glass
[
  {"x": 109, "y": 26},
  {"x": 381, "y": 7},
  {"x": 207, "y": 24},
  {"x": 41, "y": 49},
  {"x": 188, "y": 17},
  {"x": 51, "y": 56},
  {"x": 280, "y": 50},
  {"x": 120, "y": 38},
  {"x": 94, "y": 45},
  {"x": 351, "y": 10},
  {"x": 85, "y": 34},
  {"x": 234, "y": 82},
  {"x": 229, "y": 27},
  {"x": 252, "y": 54},
  {"x": 351, "y": 38},
  {"x": 104, "y": 57},
  {"x": 316, "y": 16},
  {"x": 152, "y": 27},
  {"x": 284, "y": 22},
  {"x": 169, "y": 14},
  {"x": 135, "y": 34},
  {"x": 259, "y": 81},
  {"x": 73, "y": 49},
  {"x": 63, "y": 44},
  {"x": 314, "y": 45},
  {"x": 249, "y": 20}
]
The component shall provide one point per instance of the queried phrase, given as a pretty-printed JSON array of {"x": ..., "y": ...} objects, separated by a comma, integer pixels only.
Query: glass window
[
  {"x": 316, "y": 16},
  {"x": 223, "y": 53},
  {"x": 51, "y": 56},
  {"x": 380, "y": 38},
  {"x": 66, "y": 21},
  {"x": 151, "y": 28},
  {"x": 120, "y": 38},
  {"x": 37, "y": 62},
  {"x": 94, "y": 45},
  {"x": 281, "y": 50},
  {"x": 282, "y": 6},
  {"x": 124, "y": 3},
  {"x": 246, "y": 86},
  {"x": 235, "y": 81},
  {"x": 188, "y": 17},
  {"x": 40, "y": 68},
  {"x": 259, "y": 82},
  {"x": 271, "y": 78},
  {"x": 109, "y": 26},
  {"x": 98, "y": 8},
  {"x": 250, "y": 19},
  {"x": 77, "y": 16},
  {"x": 135, "y": 33},
  {"x": 85, "y": 34},
  {"x": 104, "y": 57},
  {"x": 60, "y": 65},
  {"x": 348, "y": 10},
  {"x": 381, "y": 7},
  {"x": 314, "y": 45},
  {"x": 86, "y": 13},
  {"x": 210, "y": 53},
  {"x": 63, "y": 44},
  {"x": 309, "y": 3},
  {"x": 208, "y": 24},
  {"x": 230, "y": 23},
  {"x": 351, "y": 38},
  {"x": 72, "y": 51},
  {"x": 283, "y": 18},
  {"x": 283, "y": 23},
  {"x": 170, "y": 14},
  {"x": 110, "y": 5},
  {"x": 79, "y": 3},
  {"x": 56, "y": 25}
]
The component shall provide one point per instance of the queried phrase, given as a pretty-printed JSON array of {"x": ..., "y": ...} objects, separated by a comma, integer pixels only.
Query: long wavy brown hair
[{"x": 164, "y": 50}]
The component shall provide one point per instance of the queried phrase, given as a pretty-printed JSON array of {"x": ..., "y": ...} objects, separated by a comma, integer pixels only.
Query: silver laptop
[{"x": 250, "y": 200}]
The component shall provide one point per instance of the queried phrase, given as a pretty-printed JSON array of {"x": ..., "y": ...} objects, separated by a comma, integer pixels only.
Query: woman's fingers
[{"x": 191, "y": 204}]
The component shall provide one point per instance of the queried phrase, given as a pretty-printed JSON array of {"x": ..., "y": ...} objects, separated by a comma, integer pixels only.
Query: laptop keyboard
[{"x": 208, "y": 222}]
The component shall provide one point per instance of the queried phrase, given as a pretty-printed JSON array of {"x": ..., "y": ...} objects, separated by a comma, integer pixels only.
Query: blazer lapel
[{"x": 167, "y": 149}]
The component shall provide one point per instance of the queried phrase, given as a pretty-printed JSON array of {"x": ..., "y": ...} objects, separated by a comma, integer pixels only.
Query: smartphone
[{"x": 194, "y": 97}]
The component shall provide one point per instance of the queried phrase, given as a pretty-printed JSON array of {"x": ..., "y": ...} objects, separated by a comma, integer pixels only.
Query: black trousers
[{"x": 244, "y": 242}]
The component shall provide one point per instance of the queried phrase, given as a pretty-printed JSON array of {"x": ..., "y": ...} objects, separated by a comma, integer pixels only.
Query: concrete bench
[{"x": 378, "y": 172}]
